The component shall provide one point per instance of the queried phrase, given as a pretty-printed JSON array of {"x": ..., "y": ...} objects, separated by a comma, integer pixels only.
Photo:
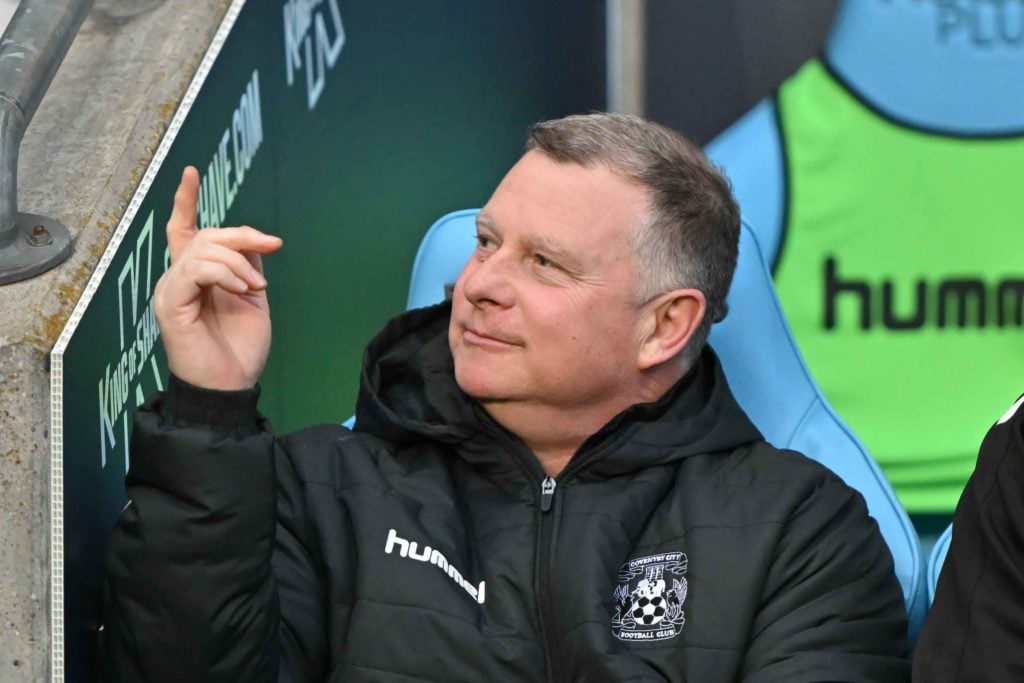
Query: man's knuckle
[
  {"x": 190, "y": 267},
  {"x": 238, "y": 261}
]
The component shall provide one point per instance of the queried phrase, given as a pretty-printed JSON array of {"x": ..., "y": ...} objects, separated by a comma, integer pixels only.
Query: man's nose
[{"x": 487, "y": 281}]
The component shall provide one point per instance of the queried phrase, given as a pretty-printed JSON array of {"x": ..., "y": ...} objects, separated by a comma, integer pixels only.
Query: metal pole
[
  {"x": 31, "y": 50},
  {"x": 625, "y": 55}
]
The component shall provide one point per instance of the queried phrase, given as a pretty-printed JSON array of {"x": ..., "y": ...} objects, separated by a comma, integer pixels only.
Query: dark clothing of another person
[
  {"x": 975, "y": 627},
  {"x": 428, "y": 545}
]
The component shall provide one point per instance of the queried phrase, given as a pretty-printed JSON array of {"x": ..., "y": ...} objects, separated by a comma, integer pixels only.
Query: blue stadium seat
[
  {"x": 443, "y": 252},
  {"x": 765, "y": 371},
  {"x": 936, "y": 560}
]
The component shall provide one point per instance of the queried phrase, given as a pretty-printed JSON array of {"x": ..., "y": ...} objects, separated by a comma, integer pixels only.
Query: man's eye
[
  {"x": 483, "y": 241},
  {"x": 543, "y": 261}
]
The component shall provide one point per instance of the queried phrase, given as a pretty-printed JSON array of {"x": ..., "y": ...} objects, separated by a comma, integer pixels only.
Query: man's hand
[{"x": 211, "y": 304}]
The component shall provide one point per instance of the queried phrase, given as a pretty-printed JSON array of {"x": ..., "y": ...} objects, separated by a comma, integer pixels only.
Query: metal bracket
[
  {"x": 39, "y": 243},
  {"x": 31, "y": 50}
]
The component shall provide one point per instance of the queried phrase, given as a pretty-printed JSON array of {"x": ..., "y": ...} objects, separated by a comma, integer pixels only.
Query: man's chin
[{"x": 483, "y": 388}]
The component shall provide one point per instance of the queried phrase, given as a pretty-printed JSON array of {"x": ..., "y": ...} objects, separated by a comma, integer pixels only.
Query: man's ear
[{"x": 671, "y": 320}]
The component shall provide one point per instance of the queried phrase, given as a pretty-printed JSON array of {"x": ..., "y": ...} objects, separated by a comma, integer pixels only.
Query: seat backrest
[
  {"x": 443, "y": 252},
  {"x": 936, "y": 559},
  {"x": 765, "y": 371}
]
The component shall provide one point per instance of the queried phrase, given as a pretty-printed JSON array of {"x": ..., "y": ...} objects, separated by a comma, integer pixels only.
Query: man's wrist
[{"x": 185, "y": 404}]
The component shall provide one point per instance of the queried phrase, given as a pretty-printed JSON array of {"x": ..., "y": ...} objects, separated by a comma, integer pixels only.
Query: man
[
  {"x": 549, "y": 479},
  {"x": 976, "y": 624}
]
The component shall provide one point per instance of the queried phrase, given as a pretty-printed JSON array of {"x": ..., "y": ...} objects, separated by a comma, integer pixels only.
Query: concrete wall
[{"x": 82, "y": 158}]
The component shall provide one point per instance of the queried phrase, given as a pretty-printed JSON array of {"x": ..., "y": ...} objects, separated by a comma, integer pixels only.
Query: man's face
[{"x": 544, "y": 311}]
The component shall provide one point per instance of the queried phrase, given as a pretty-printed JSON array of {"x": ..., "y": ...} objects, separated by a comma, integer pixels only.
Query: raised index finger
[{"x": 183, "y": 223}]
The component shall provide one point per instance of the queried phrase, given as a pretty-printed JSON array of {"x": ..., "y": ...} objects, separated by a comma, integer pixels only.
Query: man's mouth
[{"x": 481, "y": 338}]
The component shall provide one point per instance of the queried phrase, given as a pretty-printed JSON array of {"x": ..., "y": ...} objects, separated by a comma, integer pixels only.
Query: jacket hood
[{"x": 408, "y": 393}]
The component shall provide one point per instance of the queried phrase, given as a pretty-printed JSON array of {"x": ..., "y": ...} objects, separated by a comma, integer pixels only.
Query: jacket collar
[{"x": 408, "y": 394}]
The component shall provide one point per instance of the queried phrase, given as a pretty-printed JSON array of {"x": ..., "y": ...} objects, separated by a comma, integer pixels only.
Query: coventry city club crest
[{"x": 649, "y": 598}]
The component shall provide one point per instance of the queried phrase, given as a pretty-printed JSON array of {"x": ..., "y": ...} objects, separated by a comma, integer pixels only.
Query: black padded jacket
[
  {"x": 975, "y": 627},
  {"x": 428, "y": 545}
]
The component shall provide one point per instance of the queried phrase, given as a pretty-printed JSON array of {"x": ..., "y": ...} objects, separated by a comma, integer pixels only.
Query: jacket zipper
[
  {"x": 547, "y": 493},
  {"x": 547, "y": 522},
  {"x": 548, "y": 485}
]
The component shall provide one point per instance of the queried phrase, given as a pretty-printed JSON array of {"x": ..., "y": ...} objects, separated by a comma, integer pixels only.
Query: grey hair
[{"x": 690, "y": 235}]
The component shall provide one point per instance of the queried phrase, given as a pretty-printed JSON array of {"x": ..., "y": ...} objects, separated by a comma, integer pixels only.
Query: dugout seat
[
  {"x": 766, "y": 373},
  {"x": 936, "y": 560}
]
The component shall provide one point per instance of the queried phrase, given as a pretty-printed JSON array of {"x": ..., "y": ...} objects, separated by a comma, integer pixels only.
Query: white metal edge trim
[{"x": 57, "y": 355}]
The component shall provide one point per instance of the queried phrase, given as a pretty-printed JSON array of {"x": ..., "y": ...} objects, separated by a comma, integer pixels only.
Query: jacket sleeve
[
  {"x": 832, "y": 608},
  {"x": 209, "y": 550},
  {"x": 975, "y": 627}
]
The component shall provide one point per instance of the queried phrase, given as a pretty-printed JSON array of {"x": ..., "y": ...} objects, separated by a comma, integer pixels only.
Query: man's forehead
[{"x": 589, "y": 211}]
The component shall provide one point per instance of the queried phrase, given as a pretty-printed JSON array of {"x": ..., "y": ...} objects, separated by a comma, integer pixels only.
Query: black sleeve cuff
[{"x": 186, "y": 405}]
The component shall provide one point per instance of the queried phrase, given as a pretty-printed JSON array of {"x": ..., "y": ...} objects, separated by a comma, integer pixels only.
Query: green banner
[{"x": 346, "y": 128}]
